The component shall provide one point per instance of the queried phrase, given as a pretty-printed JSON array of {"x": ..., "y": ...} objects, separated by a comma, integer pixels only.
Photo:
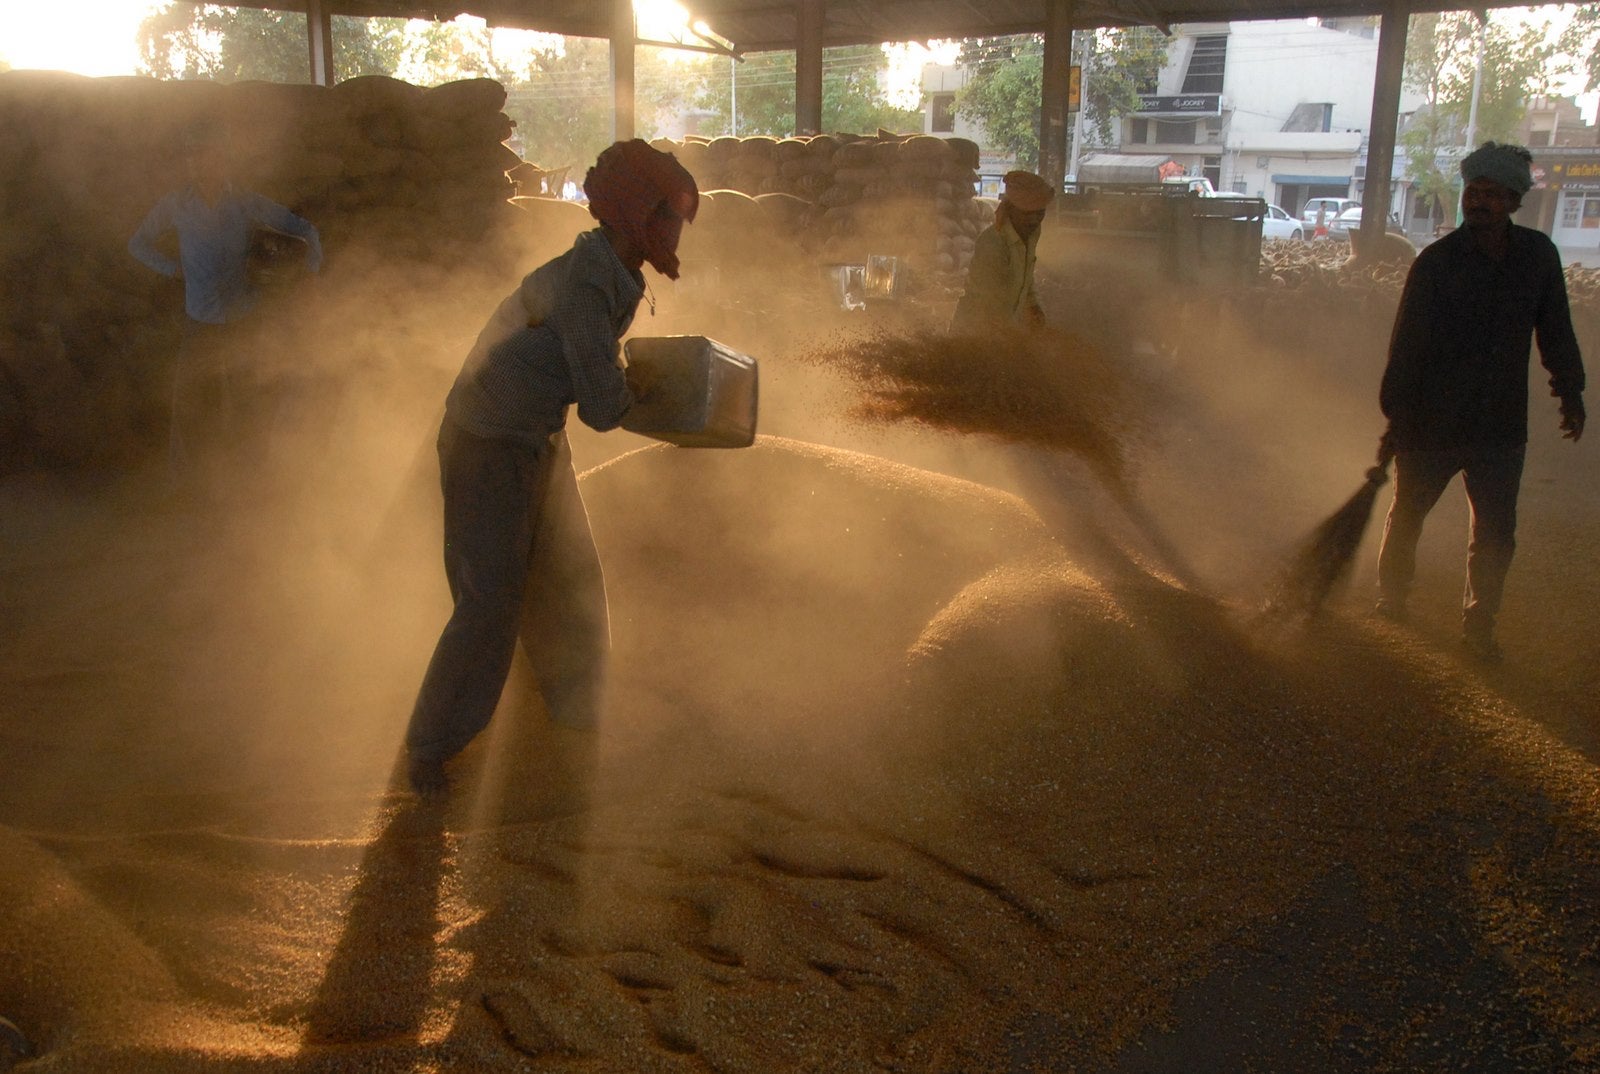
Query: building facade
[
  {"x": 1277, "y": 110},
  {"x": 1280, "y": 110}
]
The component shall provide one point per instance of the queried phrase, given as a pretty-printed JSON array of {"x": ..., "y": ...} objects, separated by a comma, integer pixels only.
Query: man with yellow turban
[
  {"x": 519, "y": 555},
  {"x": 1000, "y": 279},
  {"x": 1456, "y": 387}
]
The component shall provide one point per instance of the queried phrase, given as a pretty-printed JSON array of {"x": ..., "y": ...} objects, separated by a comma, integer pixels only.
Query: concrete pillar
[
  {"x": 809, "y": 16},
  {"x": 1385, "y": 121},
  {"x": 623, "y": 34},
  {"x": 1056, "y": 85},
  {"x": 319, "y": 36}
]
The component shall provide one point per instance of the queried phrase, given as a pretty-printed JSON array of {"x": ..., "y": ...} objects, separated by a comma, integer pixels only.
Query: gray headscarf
[{"x": 1507, "y": 165}]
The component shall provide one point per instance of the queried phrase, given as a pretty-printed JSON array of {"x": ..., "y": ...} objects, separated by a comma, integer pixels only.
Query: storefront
[{"x": 1571, "y": 174}]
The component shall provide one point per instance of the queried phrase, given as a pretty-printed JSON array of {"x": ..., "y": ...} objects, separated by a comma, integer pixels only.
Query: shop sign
[
  {"x": 1189, "y": 104},
  {"x": 1578, "y": 168}
]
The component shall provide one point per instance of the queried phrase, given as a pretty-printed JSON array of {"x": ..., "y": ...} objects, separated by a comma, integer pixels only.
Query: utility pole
[
  {"x": 1085, "y": 54},
  {"x": 1477, "y": 89}
]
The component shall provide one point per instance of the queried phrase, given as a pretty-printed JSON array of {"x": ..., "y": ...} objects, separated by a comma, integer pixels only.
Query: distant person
[
  {"x": 999, "y": 288},
  {"x": 215, "y": 222},
  {"x": 1456, "y": 387},
  {"x": 519, "y": 555}
]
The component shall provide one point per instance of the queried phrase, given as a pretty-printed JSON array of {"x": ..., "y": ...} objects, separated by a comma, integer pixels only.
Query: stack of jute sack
[
  {"x": 907, "y": 196},
  {"x": 389, "y": 173}
]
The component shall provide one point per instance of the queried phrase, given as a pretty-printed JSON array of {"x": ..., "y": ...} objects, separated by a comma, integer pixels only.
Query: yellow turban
[{"x": 1027, "y": 192}]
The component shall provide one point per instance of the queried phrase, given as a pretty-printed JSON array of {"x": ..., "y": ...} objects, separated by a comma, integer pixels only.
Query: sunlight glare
[{"x": 661, "y": 20}]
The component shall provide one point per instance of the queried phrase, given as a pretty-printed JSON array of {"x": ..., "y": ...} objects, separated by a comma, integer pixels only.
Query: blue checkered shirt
[
  {"x": 214, "y": 247},
  {"x": 551, "y": 343}
]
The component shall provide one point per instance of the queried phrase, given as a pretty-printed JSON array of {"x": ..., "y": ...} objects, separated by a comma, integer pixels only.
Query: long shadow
[
  {"x": 378, "y": 984},
  {"x": 531, "y": 773}
]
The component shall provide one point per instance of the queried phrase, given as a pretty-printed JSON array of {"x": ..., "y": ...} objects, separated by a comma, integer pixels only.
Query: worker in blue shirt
[
  {"x": 519, "y": 555},
  {"x": 215, "y": 222}
]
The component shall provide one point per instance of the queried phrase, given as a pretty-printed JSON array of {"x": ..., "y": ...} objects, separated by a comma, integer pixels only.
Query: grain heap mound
[
  {"x": 1316, "y": 291},
  {"x": 390, "y": 173}
]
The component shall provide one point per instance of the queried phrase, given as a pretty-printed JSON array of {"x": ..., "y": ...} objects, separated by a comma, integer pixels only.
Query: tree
[
  {"x": 1582, "y": 38},
  {"x": 1441, "y": 63},
  {"x": 759, "y": 93},
  {"x": 562, "y": 102},
  {"x": 224, "y": 44},
  {"x": 1007, "y": 78}
]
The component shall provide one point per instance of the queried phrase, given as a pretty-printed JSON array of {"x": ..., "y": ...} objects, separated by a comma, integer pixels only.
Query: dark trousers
[
  {"x": 204, "y": 422},
  {"x": 521, "y": 561},
  {"x": 1492, "y": 478}
]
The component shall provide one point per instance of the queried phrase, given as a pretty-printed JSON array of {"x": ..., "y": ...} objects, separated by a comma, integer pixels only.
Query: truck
[{"x": 1178, "y": 232}]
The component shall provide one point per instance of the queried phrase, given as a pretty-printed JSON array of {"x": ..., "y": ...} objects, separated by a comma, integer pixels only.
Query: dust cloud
[{"x": 935, "y": 738}]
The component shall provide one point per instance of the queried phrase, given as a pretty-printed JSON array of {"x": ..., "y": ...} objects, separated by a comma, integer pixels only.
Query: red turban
[{"x": 629, "y": 182}]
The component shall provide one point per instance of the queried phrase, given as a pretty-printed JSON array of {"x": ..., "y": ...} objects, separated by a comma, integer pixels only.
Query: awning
[
  {"x": 1313, "y": 180},
  {"x": 1125, "y": 168}
]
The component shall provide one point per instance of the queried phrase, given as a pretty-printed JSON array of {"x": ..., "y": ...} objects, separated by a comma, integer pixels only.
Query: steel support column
[
  {"x": 1057, "y": 83},
  {"x": 319, "y": 35},
  {"x": 1385, "y": 121},
  {"x": 623, "y": 33},
  {"x": 809, "y": 16}
]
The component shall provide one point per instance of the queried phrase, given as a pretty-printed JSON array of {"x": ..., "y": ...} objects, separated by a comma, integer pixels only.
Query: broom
[{"x": 1323, "y": 560}]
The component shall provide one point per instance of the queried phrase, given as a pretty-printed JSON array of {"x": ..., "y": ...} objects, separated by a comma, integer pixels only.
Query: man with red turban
[
  {"x": 519, "y": 555},
  {"x": 1000, "y": 279}
]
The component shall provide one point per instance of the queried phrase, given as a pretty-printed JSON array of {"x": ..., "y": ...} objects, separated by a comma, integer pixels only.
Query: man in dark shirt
[{"x": 1456, "y": 387}]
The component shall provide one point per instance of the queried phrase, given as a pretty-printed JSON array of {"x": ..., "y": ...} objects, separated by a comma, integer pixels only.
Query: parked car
[
  {"x": 1328, "y": 207},
  {"x": 1278, "y": 224},
  {"x": 1339, "y": 227}
]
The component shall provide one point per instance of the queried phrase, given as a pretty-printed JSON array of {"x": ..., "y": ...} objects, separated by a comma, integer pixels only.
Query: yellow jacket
[{"x": 1000, "y": 279}]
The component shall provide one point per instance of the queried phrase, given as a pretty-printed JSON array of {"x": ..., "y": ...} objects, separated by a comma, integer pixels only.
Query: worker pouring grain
[
  {"x": 519, "y": 556},
  {"x": 1000, "y": 278}
]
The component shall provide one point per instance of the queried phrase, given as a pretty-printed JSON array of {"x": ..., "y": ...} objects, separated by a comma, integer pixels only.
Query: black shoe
[
  {"x": 428, "y": 778},
  {"x": 1481, "y": 648},
  {"x": 1392, "y": 610}
]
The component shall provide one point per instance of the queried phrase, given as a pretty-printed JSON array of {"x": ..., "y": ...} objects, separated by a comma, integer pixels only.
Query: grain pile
[
  {"x": 391, "y": 174},
  {"x": 1314, "y": 291},
  {"x": 907, "y": 196}
]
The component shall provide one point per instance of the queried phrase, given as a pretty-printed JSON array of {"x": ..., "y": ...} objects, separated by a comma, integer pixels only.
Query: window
[
  {"x": 943, "y": 120},
  {"x": 1212, "y": 169},
  {"x": 1175, "y": 131},
  {"x": 1207, "y": 64},
  {"x": 1538, "y": 138},
  {"x": 1138, "y": 131}
]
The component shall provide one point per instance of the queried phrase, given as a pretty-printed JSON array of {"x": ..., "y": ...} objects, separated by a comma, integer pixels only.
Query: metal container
[
  {"x": 848, "y": 285},
  {"x": 883, "y": 276},
  {"x": 695, "y": 391}
]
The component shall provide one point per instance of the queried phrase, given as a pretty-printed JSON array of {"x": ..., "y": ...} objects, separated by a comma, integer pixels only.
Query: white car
[
  {"x": 1277, "y": 224},
  {"x": 1340, "y": 227},
  {"x": 1328, "y": 207}
]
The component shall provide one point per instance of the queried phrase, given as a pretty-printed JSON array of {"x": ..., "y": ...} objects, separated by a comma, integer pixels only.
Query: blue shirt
[
  {"x": 214, "y": 247},
  {"x": 552, "y": 342}
]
